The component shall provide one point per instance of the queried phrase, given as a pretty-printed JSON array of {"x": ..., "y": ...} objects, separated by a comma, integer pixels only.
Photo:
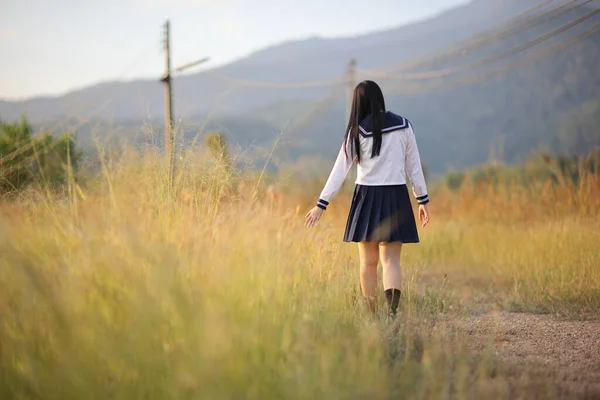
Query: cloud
[{"x": 8, "y": 32}]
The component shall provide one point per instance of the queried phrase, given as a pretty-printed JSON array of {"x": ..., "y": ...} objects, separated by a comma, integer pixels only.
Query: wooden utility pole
[
  {"x": 169, "y": 117},
  {"x": 351, "y": 82}
]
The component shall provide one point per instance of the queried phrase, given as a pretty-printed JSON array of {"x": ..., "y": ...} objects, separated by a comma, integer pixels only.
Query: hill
[{"x": 549, "y": 102}]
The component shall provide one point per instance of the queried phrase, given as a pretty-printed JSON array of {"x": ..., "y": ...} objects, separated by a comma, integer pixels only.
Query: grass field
[{"x": 126, "y": 287}]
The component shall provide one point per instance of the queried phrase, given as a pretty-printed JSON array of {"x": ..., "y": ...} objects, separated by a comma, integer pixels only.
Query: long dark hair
[{"x": 367, "y": 100}]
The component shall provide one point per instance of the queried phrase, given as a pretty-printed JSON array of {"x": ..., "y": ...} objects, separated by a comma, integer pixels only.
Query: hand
[
  {"x": 424, "y": 215},
  {"x": 313, "y": 216}
]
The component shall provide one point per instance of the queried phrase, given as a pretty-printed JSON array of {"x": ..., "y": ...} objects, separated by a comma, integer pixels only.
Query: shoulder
[
  {"x": 395, "y": 122},
  {"x": 392, "y": 122}
]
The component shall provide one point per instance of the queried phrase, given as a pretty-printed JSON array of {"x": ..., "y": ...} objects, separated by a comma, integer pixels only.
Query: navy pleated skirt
[{"x": 381, "y": 214}]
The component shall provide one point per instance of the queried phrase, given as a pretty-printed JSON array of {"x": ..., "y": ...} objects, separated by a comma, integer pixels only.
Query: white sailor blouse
[{"x": 399, "y": 157}]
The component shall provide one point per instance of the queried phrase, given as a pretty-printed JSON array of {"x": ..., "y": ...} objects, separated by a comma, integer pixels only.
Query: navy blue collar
[{"x": 392, "y": 122}]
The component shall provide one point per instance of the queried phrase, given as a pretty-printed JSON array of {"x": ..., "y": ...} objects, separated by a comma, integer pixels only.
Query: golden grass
[
  {"x": 531, "y": 248},
  {"x": 538, "y": 248},
  {"x": 132, "y": 288}
]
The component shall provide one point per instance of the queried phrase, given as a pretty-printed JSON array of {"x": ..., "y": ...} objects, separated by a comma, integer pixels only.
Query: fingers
[
  {"x": 425, "y": 219},
  {"x": 311, "y": 219},
  {"x": 309, "y": 222},
  {"x": 423, "y": 216}
]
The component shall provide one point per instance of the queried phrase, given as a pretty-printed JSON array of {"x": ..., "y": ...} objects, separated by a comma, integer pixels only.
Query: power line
[
  {"x": 478, "y": 41},
  {"x": 483, "y": 75},
  {"x": 537, "y": 20},
  {"x": 270, "y": 84},
  {"x": 321, "y": 106},
  {"x": 450, "y": 70},
  {"x": 422, "y": 75}
]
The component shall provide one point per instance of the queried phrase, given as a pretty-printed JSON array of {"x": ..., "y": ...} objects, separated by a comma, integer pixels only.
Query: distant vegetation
[
  {"x": 543, "y": 168},
  {"x": 27, "y": 159},
  {"x": 219, "y": 147},
  {"x": 43, "y": 158}
]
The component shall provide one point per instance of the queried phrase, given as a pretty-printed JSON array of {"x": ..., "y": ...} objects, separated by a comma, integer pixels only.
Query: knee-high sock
[{"x": 393, "y": 298}]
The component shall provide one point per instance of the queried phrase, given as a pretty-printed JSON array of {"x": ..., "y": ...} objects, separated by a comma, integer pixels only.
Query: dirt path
[
  {"x": 536, "y": 349},
  {"x": 533, "y": 349}
]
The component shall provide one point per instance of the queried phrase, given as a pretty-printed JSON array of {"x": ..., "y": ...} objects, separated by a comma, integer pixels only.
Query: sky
[{"x": 51, "y": 47}]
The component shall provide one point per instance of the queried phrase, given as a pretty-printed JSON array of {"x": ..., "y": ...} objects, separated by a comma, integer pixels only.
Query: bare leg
[
  {"x": 389, "y": 254},
  {"x": 369, "y": 258}
]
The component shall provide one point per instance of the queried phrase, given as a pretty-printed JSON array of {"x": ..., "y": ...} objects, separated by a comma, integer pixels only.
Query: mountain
[{"x": 549, "y": 102}]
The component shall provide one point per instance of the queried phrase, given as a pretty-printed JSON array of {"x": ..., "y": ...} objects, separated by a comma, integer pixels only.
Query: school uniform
[{"x": 381, "y": 209}]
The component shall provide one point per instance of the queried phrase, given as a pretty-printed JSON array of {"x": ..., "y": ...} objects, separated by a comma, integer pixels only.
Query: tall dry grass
[
  {"x": 524, "y": 248},
  {"x": 536, "y": 247},
  {"x": 128, "y": 287}
]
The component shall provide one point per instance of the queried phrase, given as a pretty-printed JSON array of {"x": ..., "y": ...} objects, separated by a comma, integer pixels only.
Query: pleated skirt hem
[{"x": 381, "y": 214}]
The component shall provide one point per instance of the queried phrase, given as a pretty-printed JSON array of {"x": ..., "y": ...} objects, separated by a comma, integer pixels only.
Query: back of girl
[{"x": 381, "y": 218}]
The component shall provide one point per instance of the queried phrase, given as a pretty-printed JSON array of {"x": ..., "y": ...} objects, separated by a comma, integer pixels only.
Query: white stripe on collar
[{"x": 403, "y": 125}]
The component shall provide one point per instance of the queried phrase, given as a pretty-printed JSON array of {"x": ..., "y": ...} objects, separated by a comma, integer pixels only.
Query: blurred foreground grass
[{"x": 130, "y": 288}]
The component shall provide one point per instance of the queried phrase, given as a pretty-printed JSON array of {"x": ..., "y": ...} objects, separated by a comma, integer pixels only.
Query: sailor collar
[{"x": 391, "y": 122}]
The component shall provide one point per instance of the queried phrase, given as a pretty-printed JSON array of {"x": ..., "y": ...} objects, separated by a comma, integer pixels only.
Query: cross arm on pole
[{"x": 192, "y": 64}]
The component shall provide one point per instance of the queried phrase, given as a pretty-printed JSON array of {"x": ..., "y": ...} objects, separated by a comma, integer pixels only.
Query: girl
[{"x": 381, "y": 218}]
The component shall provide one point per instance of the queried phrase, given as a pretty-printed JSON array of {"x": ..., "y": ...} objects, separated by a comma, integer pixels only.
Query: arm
[
  {"x": 336, "y": 177},
  {"x": 414, "y": 169}
]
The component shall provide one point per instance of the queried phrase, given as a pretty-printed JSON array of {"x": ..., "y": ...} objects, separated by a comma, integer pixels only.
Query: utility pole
[
  {"x": 169, "y": 111},
  {"x": 351, "y": 82},
  {"x": 169, "y": 117}
]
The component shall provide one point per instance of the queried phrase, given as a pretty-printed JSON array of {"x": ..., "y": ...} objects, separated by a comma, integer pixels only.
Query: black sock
[{"x": 393, "y": 298}]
